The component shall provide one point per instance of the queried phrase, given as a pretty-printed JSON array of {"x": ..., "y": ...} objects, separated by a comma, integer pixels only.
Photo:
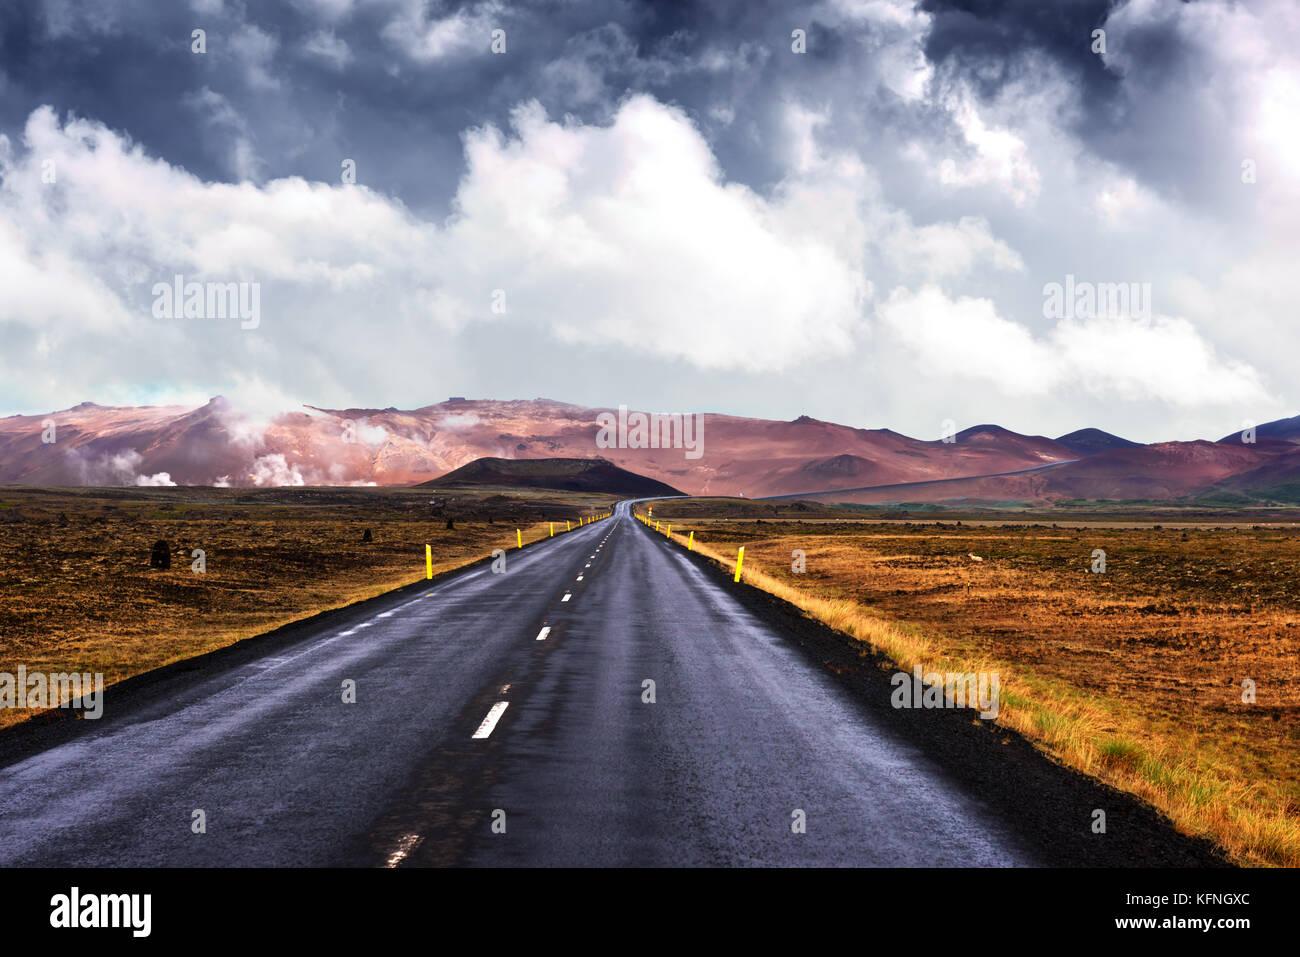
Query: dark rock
[
  {"x": 161, "y": 557},
  {"x": 367, "y": 537}
]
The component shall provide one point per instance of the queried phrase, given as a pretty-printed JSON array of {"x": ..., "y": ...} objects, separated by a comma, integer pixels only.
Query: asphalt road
[{"x": 578, "y": 768}]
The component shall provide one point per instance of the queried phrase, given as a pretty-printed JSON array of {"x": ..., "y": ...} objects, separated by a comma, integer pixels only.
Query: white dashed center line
[
  {"x": 491, "y": 720},
  {"x": 541, "y": 635},
  {"x": 579, "y": 578},
  {"x": 567, "y": 596}
]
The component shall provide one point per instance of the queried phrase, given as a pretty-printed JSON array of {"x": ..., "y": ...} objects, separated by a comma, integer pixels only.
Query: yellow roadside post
[
  {"x": 669, "y": 533},
  {"x": 552, "y": 535},
  {"x": 519, "y": 538},
  {"x": 428, "y": 561},
  {"x": 656, "y": 526},
  {"x": 690, "y": 545},
  {"x": 567, "y": 526},
  {"x": 740, "y": 560}
]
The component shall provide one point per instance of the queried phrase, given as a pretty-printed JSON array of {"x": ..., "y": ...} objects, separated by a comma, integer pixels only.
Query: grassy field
[
  {"x": 1134, "y": 675},
  {"x": 79, "y": 594}
]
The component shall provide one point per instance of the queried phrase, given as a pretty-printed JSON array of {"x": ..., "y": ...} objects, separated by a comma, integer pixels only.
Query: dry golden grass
[
  {"x": 79, "y": 595},
  {"x": 1133, "y": 676}
]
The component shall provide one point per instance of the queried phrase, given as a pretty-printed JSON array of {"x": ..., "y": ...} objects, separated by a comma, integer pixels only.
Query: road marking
[
  {"x": 588, "y": 565},
  {"x": 579, "y": 578},
  {"x": 541, "y": 635},
  {"x": 567, "y": 596},
  {"x": 365, "y": 624},
  {"x": 491, "y": 720},
  {"x": 385, "y": 614},
  {"x": 405, "y": 846}
]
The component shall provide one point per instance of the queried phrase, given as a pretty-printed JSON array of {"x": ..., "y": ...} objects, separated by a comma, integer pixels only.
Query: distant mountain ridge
[
  {"x": 216, "y": 444},
  {"x": 1281, "y": 430}
]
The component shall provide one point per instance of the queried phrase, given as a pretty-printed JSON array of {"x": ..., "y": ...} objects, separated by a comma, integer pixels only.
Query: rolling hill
[{"x": 570, "y": 475}]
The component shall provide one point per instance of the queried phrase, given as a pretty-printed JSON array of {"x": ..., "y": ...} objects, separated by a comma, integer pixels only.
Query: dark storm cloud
[
  {"x": 988, "y": 39},
  {"x": 1138, "y": 106},
  {"x": 135, "y": 72},
  {"x": 270, "y": 100},
  {"x": 261, "y": 89},
  {"x": 128, "y": 78},
  {"x": 400, "y": 119}
]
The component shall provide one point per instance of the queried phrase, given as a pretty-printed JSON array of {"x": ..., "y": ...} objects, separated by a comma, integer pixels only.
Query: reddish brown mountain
[
  {"x": 1281, "y": 430},
  {"x": 218, "y": 444},
  {"x": 1165, "y": 470}
]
